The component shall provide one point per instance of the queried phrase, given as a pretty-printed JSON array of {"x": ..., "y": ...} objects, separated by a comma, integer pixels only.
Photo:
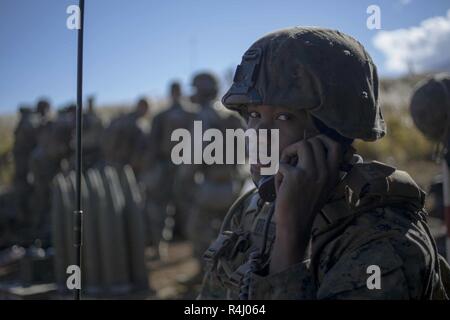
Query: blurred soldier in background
[
  {"x": 39, "y": 146},
  {"x": 124, "y": 139},
  {"x": 53, "y": 145},
  {"x": 430, "y": 110},
  {"x": 25, "y": 140},
  {"x": 92, "y": 133},
  {"x": 43, "y": 111},
  {"x": 31, "y": 127},
  {"x": 31, "y": 123},
  {"x": 208, "y": 190},
  {"x": 161, "y": 203}
]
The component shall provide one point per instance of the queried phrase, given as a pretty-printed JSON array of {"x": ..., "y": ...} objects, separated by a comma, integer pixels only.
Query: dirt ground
[{"x": 169, "y": 276}]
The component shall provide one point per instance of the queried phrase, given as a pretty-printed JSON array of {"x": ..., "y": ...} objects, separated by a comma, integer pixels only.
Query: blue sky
[{"x": 136, "y": 47}]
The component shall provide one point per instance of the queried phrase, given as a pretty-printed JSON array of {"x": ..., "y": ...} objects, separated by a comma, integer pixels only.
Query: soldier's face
[
  {"x": 142, "y": 109},
  {"x": 176, "y": 93},
  {"x": 291, "y": 124}
]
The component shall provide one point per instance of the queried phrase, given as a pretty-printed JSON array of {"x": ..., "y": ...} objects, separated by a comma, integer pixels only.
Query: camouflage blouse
[{"x": 371, "y": 241}]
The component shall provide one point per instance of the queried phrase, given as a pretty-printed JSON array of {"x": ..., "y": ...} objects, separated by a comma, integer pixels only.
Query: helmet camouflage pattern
[{"x": 322, "y": 71}]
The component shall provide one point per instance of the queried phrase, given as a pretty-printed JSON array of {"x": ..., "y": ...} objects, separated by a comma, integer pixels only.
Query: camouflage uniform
[
  {"x": 384, "y": 226},
  {"x": 375, "y": 215}
]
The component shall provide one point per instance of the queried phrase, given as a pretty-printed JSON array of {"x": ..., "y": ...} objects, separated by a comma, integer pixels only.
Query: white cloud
[{"x": 423, "y": 47}]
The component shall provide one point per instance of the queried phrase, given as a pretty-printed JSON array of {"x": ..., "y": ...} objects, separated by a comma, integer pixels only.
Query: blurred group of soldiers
[
  {"x": 193, "y": 197},
  {"x": 185, "y": 202},
  {"x": 40, "y": 146}
]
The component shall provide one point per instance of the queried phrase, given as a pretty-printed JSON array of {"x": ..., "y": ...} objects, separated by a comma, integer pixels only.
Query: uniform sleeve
[{"x": 373, "y": 271}]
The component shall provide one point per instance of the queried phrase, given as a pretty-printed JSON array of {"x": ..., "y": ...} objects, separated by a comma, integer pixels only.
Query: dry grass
[{"x": 7, "y": 124}]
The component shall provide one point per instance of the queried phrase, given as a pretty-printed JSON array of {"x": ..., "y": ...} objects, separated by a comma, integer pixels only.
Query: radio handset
[
  {"x": 266, "y": 185},
  {"x": 266, "y": 188}
]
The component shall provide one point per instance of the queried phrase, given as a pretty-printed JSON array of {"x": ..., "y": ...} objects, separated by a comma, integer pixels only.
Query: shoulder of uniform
[
  {"x": 367, "y": 181},
  {"x": 386, "y": 240},
  {"x": 338, "y": 280}
]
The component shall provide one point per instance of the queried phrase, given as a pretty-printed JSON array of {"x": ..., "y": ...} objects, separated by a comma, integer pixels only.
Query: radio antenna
[{"x": 78, "y": 213}]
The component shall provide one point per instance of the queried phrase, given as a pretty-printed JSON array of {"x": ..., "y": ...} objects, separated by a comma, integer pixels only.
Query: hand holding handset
[
  {"x": 266, "y": 185},
  {"x": 266, "y": 188}
]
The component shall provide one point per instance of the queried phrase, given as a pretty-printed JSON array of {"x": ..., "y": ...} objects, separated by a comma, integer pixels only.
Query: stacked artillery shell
[
  {"x": 113, "y": 236},
  {"x": 60, "y": 204},
  {"x": 91, "y": 260},
  {"x": 134, "y": 229}
]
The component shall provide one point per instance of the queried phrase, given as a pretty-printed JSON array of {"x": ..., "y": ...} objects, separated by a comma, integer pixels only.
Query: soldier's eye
[
  {"x": 283, "y": 117},
  {"x": 253, "y": 114}
]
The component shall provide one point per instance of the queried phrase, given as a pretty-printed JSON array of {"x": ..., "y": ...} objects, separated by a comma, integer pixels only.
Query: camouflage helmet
[
  {"x": 430, "y": 106},
  {"x": 206, "y": 86},
  {"x": 319, "y": 70}
]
